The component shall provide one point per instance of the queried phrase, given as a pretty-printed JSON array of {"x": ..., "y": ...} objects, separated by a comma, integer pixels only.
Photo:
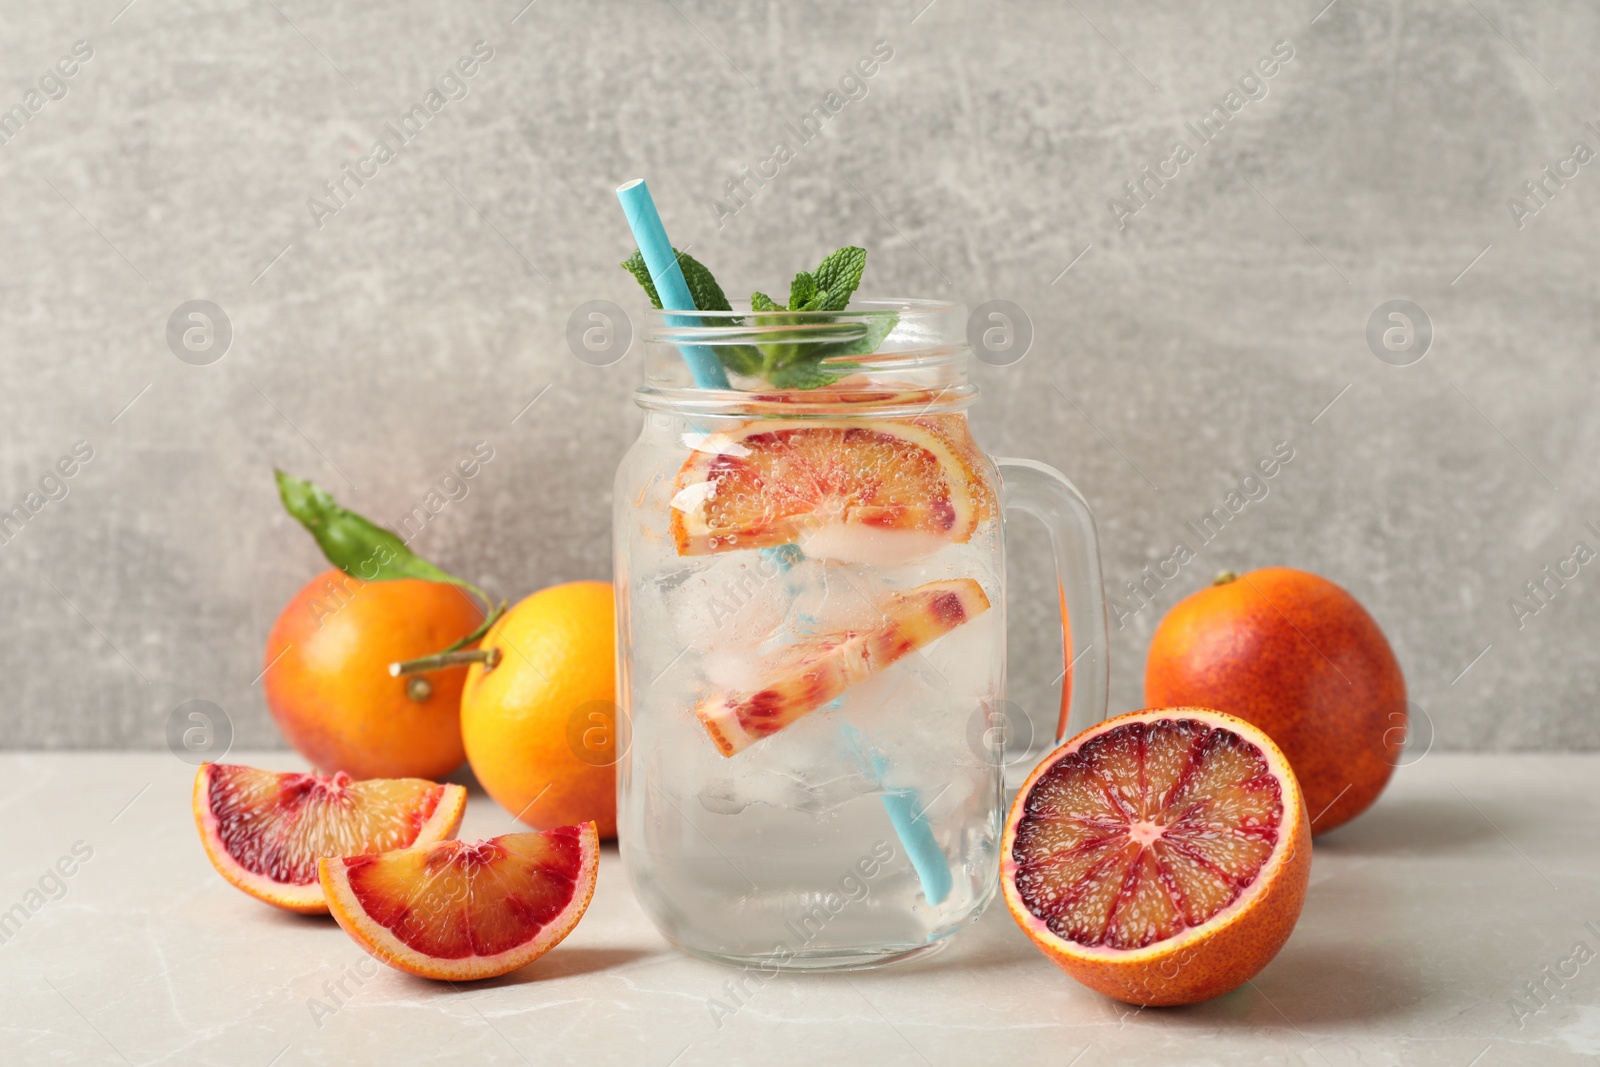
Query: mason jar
[{"x": 810, "y": 584}]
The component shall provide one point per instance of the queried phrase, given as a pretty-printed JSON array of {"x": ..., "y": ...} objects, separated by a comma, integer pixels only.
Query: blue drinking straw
[
  {"x": 911, "y": 826},
  {"x": 667, "y": 274}
]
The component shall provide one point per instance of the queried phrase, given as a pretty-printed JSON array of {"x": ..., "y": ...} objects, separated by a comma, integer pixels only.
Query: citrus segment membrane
[
  {"x": 803, "y": 676},
  {"x": 768, "y": 484},
  {"x": 278, "y": 825},
  {"x": 1147, "y": 830}
]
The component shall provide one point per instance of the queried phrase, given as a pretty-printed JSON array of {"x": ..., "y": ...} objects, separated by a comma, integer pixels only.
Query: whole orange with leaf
[{"x": 328, "y": 678}]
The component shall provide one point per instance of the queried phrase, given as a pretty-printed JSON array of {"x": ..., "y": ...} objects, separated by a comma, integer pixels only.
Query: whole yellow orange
[{"x": 539, "y": 724}]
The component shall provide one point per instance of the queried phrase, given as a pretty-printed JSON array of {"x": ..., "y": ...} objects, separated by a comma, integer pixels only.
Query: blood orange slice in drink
[
  {"x": 856, "y": 389},
  {"x": 1160, "y": 857},
  {"x": 801, "y": 677},
  {"x": 870, "y": 491},
  {"x": 458, "y": 911},
  {"x": 264, "y": 831}
]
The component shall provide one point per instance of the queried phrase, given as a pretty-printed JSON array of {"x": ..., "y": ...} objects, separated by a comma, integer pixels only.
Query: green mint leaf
[
  {"x": 634, "y": 265},
  {"x": 802, "y": 292},
  {"x": 808, "y": 374},
  {"x": 798, "y": 364},
  {"x": 777, "y": 349},
  {"x": 741, "y": 359},
  {"x": 837, "y": 276},
  {"x": 761, "y": 357},
  {"x": 878, "y": 328},
  {"x": 354, "y": 544},
  {"x": 805, "y": 369},
  {"x": 703, "y": 288}
]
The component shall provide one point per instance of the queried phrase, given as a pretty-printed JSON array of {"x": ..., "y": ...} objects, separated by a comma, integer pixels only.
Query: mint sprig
[{"x": 786, "y": 364}]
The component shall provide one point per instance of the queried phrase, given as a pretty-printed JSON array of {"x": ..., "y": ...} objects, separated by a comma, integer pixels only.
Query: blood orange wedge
[
  {"x": 1160, "y": 857},
  {"x": 807, "y": 674},
  {"x": 458, "y": 911},
  {"x": 866, "y": 491},
  {"x": 264, "y": 831}
]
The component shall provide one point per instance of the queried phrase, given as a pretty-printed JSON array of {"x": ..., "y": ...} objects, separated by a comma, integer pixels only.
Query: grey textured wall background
[{"x": 372, "y": 351}]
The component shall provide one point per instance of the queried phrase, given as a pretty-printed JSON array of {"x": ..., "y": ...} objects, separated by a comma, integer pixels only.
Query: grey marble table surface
[{"x": 1456, "y": 923}]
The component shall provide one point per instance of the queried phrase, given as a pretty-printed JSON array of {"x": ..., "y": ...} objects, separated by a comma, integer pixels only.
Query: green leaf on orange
[{"x": 363, "y": 549}]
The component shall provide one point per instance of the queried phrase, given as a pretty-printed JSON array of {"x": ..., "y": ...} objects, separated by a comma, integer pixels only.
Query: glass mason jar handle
[{"x": 1045, "y": 493}]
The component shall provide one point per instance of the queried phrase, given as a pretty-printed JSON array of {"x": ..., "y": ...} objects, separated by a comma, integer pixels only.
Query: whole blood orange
[
  {"x": 264, "y": 831},
  {"x": 1297, "y": 656},
  {"x": 540, "y": 723},
  {"x": 459, "y": 911},
  {"x": 327, "y": 678},
  {"x": 1161, "y": 857}
]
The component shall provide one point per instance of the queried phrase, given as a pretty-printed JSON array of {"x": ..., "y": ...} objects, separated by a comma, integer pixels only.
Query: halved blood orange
[
  {"x": 1160, "y": 857},
  {"x": 458, "y": 911},
  {"x": 866, "y": 490},
  {"x": 803, "y": 676},
  {"x": 264, "y": 831}
]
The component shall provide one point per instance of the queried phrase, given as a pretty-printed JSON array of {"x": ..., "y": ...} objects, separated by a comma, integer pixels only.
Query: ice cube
[
  {"x": 814, "y": 786},
  {"x": 735, "y": 671},
  {"x": 869, "y": 546},
  {"x": 832, "y": 599},
  {"x": 738, "y": 599},
  {"x": 966, "y": 660}
]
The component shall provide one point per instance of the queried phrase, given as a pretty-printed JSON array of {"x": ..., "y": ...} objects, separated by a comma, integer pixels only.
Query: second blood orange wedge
[
  {"x": 1161, "y": 857},
  {"x": 802, "y": 677},
  {"x": 874, "y": 490},
  {"x": 458, "y": 911}
]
